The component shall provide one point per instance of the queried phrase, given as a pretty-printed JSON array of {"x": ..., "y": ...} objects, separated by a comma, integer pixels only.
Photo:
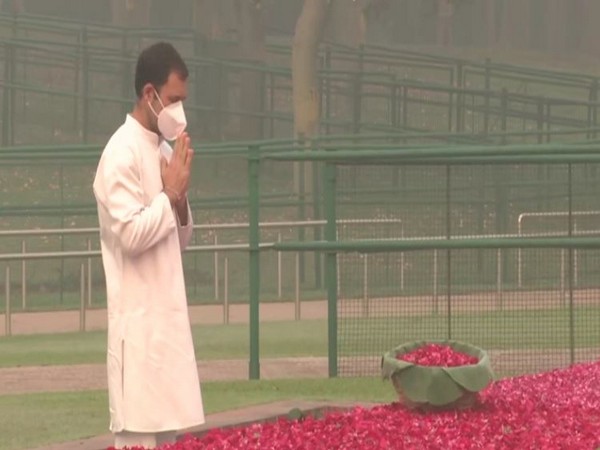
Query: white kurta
[{"x": 152, "y": 372}]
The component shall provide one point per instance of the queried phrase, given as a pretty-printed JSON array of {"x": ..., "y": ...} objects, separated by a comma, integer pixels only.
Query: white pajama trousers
[{"x": 146, "y": 440}]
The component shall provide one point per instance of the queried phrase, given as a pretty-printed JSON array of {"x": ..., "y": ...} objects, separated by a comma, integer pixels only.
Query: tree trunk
[
  {"x": 306, "y": 102},
  {"x": 445, "y": 15},
  {"x": 590, "y": 30},
  {"x": 347, "y": 25},
  {"x": 17, "y": 7},
  {"x": 575, "y": 26},
  {"x": 557, "y": 13},
  {"x": 213, "y": 18},
  {"x": 130, "y": 13},
  {"x": 490, "y": 21},
  {"x": 308, "y": 33},
  {"x": 516, "y": 25},
  {"x": 589, "y": 33},
  {"x": 347, "y": 22},
  {"x": 251, "y": 42},
  {"x": 205, "y": 18}
]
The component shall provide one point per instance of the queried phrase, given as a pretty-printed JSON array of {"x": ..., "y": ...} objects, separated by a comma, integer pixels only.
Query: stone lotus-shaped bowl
[{"x": 434, "y": 387}]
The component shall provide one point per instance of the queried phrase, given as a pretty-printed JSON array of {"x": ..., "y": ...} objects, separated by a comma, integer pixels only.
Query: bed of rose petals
[
  {"x": 438, "y": 355},
  {"x": 554, "y": 410}
]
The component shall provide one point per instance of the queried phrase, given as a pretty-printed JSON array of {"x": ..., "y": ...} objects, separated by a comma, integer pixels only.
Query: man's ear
[{"x": 148, "y": 92}]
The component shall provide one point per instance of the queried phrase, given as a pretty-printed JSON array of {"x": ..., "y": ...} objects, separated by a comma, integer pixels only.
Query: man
[{"x": 145, "y": 223}]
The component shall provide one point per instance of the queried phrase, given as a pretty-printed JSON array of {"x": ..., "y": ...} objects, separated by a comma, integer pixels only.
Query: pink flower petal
[
  {"x": 438, "y": 355},
  {"x": 554, "y": 410}
]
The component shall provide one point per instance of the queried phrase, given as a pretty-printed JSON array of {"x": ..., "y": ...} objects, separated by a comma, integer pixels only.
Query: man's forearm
[
  {"x": 182, "y": 211},
  {"x": 180, "y": 204}
]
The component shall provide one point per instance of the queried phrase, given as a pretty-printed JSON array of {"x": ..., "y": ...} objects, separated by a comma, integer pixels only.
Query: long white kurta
[{"x": 152, "y": 374}]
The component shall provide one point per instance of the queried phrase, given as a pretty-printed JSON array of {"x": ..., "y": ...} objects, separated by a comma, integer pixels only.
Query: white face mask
[{"x": 171, "y": 119}]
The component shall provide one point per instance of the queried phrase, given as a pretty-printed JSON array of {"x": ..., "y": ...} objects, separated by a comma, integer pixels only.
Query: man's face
[{"x": 174, "y": 90}]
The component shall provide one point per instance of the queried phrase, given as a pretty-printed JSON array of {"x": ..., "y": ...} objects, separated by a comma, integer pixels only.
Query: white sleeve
[
  {"x": 185, "y": 231},
  {"x": 137, "y": 227}
]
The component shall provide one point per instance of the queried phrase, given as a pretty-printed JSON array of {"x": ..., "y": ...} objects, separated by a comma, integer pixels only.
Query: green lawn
[
  {"x": 302, "y": 338},
  {"x": 60, "y": 417},
  {"x": 517, "y": 329},
  {"x": 521, "y": 329}
]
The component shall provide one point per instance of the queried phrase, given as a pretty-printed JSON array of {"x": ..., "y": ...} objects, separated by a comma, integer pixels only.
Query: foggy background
[{"x": 556, "y": 26}]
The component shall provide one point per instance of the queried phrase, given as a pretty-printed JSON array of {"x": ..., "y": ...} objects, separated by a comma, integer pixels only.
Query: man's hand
[{"x": 176, "y": 173}]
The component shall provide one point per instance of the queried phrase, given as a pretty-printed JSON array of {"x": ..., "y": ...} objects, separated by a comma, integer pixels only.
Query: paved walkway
[
  {"x": 19, "y": 380},
  {"x": 238, "y": 417},
  {"x": 95, "y": 319}
]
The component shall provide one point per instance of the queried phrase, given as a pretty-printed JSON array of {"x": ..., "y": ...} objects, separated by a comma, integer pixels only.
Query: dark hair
[{"x": 155, "y": 64}]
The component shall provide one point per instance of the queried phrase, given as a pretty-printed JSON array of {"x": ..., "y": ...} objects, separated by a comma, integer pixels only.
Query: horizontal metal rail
[
  {"x": 533, "y": 152},
  {"x": 206, "y": 226},
  {"x": 401, "y": 245},
  {"x": 97, "y": 253}
]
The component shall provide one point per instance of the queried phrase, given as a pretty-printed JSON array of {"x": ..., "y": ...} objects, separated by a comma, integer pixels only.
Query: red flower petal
[
  {"x": 438, "y": 355},
  {"x": 554, "y": 410}
]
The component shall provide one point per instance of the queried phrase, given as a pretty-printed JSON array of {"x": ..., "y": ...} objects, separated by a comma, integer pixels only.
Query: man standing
[{"x": 141, "y": 188}]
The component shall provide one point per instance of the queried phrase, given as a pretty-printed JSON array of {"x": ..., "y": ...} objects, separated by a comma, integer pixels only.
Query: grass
[
  {"x": 65, "y": 416},
  {"x": 303, "y": 338},
  {"x": 518, "y": 329}
]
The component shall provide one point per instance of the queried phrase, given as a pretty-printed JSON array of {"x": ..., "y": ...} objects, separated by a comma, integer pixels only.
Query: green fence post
[
  {"x": 503, "y": 113},
  {"x": 198, "y": 79},
  {"x": 219, "y": 96},
  {"x": 394, "y": 103},
  {"x": 12, "y": 77},
  {"x": 404, "y": 107},
  {"x": 6, "y": 94},
  {"x": 451, "y": 102},
  {"x": 593, "y": 98},
  {"x": 316, "y": 197},
  {"x": 482, "y": 174},
  {"x": 125, "y": 72},
  {"x": 548, "y": 120},
  {"x": 85, "y": 86},
  {"x": 500, "y": 182},
  {"x": 571, "y": 266},
  {"x": 449, "y": 255},
  {"x": 331, "y": 266},
  {"x": 301, "y": 205},
  {"x": 395, "y": 121},
  {"x": 326, "y": 97},
  {"x": 272, "y": 85},
  {"x": 62, "y": 225},
  {"x": 595, "y": 108},
  {"x": 459, "y": 98},
  {"x": 540, "y": 140},
  {"x": 486, "y": 111},
  {"x": 263, "y": 103},
  {"x": 254, "y": 257},
  {"x": 356, "y": 103},
  {"x": 357, "y": 93},
  {"x": 540, "y": 120},
  {"x": 77, "y": 79}
]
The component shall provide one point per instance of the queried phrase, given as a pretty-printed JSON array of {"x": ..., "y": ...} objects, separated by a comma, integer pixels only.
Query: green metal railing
[
  {"x": 566, "y": 156},
  {"x": 400, "y": 131},
  {"x": 384, "y": 91}
]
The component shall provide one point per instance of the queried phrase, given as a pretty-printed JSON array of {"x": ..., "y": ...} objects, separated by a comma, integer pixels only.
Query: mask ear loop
[{"x": 159, "y": 101}]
